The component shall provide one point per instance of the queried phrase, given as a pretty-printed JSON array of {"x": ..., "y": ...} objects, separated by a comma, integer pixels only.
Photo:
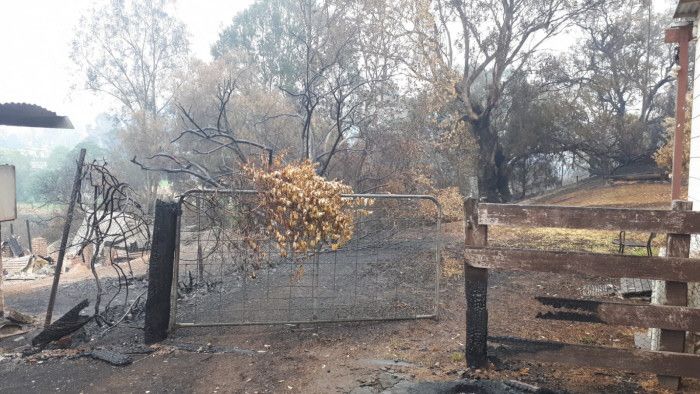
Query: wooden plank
[
  {"x": 65, "y": 325},
  {"x": 578, "y": 263},
  {"x": 658, "y": 221},
  {"x": 678, "y": 364},
  {"x": 475, "y": 290},
  {"x": 678, "y": 245},
  {"x": 622, "y": 314}
]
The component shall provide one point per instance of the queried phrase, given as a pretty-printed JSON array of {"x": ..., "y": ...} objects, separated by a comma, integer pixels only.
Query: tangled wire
[{"x": 113, "y": 219}]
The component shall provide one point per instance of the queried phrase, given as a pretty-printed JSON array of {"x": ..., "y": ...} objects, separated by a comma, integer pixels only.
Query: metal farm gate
[{"x": 390, "y": 270}]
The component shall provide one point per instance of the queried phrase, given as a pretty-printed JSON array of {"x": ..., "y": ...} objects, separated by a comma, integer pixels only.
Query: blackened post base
[{"x": 160, "y": 272}]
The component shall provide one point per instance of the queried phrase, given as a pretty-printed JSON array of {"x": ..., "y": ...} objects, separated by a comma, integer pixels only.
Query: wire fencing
[{"x": 389, "y": 270}]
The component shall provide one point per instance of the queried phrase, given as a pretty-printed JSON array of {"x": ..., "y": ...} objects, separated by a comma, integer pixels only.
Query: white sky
[{"x": 35, "y": 37}]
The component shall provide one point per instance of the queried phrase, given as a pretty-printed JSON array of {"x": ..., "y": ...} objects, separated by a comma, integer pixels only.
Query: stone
[
  {"x": 19, "y": 317},
  {"x": 387, "y": 380}
]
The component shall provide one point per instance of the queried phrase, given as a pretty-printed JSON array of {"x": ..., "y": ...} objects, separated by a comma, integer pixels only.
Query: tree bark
[
  {"x": 492, "y": 172},
  {"x": 152, "y": 182}
]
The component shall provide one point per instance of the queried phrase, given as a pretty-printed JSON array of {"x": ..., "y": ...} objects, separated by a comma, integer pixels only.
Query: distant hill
[{"x": 23, "y": 138}]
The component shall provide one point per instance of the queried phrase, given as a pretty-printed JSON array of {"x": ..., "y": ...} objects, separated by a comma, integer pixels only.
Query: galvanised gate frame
[{"x": 390, "y": 270}]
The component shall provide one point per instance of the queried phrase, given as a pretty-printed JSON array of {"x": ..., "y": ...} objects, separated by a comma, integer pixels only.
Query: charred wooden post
[
  {"x": 160, "y": 272},
  {"x": 65, "y": 325},
  {"x": 682, "y": 35},
  {"x": 676, "y": 294},
  {"x": 64, "y": 236},
  {"x": 475, "y": 290}
]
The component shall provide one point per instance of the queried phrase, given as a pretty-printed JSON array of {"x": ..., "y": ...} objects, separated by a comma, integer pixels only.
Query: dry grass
[
  {"x": 595, "y": 241},
  {"x": 618, "y": 194},
  {"x": 452, "y": 267}
]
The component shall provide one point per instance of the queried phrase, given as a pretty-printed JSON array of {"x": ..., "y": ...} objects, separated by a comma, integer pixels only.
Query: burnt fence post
[
  {"x": 475, "y": 287},
  {"x": 160, "y": 271}
]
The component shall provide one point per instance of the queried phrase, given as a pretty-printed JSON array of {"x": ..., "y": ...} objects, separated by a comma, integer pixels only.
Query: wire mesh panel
[{"x": 226, "y": 276}]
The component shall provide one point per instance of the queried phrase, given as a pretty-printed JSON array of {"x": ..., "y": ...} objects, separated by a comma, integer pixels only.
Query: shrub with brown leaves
[{"x": 303, "y": 211}]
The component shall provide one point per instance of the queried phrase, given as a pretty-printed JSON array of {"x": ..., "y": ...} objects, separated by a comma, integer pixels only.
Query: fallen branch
[{"x": 65, "y": 325}]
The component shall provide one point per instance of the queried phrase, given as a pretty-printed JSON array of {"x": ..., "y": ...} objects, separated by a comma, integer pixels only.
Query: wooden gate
[{"x": 674, "y": 318}]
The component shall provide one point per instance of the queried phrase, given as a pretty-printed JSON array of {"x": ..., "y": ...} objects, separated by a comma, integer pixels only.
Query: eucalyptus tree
[
  {"x": 316, "y": 52},
  {"x": 472, "y": 50},
  {"x": 621, "y": 74},
  {"x": 134, "y": 51},
  {"x": 268, "y": 31}
]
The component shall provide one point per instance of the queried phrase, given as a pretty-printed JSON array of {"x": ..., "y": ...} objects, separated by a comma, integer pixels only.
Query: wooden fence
[{"x": 674, "y": 318}]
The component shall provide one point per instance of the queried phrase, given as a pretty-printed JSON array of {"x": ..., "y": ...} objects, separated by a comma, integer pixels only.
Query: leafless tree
[{"x": 198, "y": 161}]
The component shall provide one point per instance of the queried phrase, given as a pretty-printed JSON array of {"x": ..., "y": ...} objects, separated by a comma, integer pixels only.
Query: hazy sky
[
  {"x": 35, "y": 66},
  {"x": 36, "y": 34}
]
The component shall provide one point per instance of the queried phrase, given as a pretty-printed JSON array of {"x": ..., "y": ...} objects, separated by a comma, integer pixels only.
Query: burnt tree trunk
[{"x": 492, "y": 170}]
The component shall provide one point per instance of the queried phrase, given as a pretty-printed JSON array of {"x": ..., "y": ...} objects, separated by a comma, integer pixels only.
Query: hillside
[
  {"x": 602, "y": 193},
  {"x": 620, "y": 194}
]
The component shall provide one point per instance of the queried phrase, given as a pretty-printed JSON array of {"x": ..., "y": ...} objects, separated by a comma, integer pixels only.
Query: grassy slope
[{"x": 619, "y": 195}]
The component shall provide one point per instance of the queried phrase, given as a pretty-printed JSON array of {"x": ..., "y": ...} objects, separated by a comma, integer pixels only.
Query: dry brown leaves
[{"x": 304, "y": 211}]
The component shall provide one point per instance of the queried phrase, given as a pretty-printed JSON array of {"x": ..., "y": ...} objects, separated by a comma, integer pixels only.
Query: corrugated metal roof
[
  {"x": 687, "y": 9},
  {"x": 30, "y": 115}
]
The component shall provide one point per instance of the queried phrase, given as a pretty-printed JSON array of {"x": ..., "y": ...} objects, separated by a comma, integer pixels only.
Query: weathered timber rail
[{"x": 674, "y": 318}]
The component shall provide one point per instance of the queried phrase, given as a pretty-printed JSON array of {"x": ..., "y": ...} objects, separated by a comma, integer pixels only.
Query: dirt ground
[{"x": 326, "y": 358}]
